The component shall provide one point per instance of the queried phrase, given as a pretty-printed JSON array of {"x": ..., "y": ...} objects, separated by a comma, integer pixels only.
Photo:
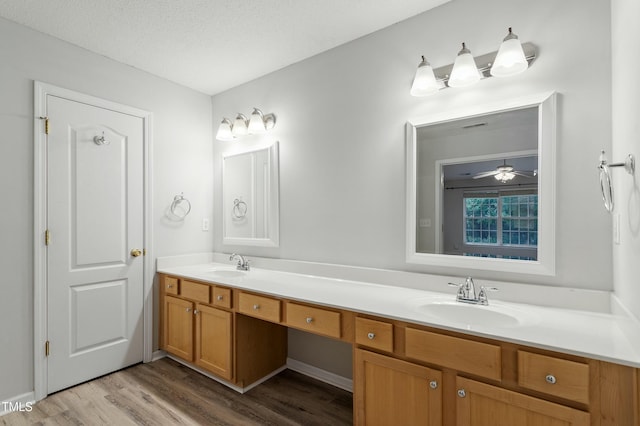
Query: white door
[{"x": 95, "y": 220}]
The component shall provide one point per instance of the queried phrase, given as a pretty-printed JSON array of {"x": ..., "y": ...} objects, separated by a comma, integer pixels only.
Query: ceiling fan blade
[
  {"x": 524, "y": 174},
  {"x": 486, "y": 174}
]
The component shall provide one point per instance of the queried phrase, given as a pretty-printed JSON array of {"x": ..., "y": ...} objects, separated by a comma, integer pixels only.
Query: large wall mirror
[
  {"x": 481, "y": 187},
  {"x": 250, "y": 197}
]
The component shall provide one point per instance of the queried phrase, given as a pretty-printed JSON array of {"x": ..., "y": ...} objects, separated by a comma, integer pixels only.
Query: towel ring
[
  {"x": 178, "y": 201},
  {"x": 239, "y": 209},
  {"x": 606, "y": 185}
]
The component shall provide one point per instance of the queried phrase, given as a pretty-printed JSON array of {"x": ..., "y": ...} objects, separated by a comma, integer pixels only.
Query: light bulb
[
  {"x": 224, "y": 131},
  {"x": 256, "y": 123},
  {"x": 424, "y": 82},
  {"x": 240, "y": 126},
  {"x": 510, "y": 59},
  {"x": 465, "y": 71}
]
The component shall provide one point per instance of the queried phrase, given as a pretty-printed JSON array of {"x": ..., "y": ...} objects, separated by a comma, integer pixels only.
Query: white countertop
[{"x": 603, "y": 336}]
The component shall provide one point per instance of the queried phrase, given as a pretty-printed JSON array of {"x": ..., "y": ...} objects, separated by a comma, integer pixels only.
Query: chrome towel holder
[
  {"x": 180, "y": 207},
  {"x": 606, "y": 186}
]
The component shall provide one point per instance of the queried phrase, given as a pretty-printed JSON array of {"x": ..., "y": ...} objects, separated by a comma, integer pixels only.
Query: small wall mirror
[
  {"x": 480, "y": 185},
  {"x": 250, "y": 197}
]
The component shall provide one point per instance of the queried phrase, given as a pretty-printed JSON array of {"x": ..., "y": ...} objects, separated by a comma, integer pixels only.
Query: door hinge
[
  {"x": 46, "y": 348},
  {"x": 46, "y": 124},
  {"x": 47, "y": 237}
]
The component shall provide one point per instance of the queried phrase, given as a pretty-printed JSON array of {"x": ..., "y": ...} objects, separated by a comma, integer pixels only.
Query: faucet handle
[{"x": 482, "y": 294}]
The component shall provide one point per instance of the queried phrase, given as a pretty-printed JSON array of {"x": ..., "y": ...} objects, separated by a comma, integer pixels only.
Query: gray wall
[
  {"x": 341, "y": 117},
  {"x": 182, "y": 134},
  {"x": 626, "y": 140}
]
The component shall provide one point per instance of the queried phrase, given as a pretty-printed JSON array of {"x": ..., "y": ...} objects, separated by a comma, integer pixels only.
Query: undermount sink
[
  {"x": 227, "y": 273},
  {"x": 472, "y": 316}
]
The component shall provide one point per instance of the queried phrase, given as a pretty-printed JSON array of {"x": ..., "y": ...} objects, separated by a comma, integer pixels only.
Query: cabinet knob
[
  {"x": 462, "y": 393},
  {"x": 188, "y": 309},
  {"x": 309, "y": 320},
  {"x": 219, "y": 297},
  {"x": 169, "y": 285},
  {"x": 551, "y": 379},
  {"x": 196, "y": 312},
  {"x": 371, "y": 336},
  {"x": 433, "y": 384},
  {"x": 256, "y": 307}
]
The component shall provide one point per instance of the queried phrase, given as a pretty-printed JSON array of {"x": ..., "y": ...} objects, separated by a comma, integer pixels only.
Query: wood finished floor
[{"x": 165, "y": 392}]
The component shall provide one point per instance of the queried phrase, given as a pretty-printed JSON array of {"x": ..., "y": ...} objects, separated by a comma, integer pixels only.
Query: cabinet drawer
[
  {"x": 170, "y": 285},
  {"x": 195, "y": 291},
  {"x": 222, "y": 297},
  {"x": 315, "y": 320},
  {"x": 554, "y": 376},
  {"x": 261, "y": 307},
  {"x": 374, "y": 334},
  {"x": 481, "y": 359}
]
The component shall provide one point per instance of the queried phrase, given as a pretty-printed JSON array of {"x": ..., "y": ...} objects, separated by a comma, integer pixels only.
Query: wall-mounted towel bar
[{"x": 606, "y": 185}]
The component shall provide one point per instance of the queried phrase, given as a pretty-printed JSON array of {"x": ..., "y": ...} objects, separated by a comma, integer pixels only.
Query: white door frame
[{"x": 41, "y": 90}]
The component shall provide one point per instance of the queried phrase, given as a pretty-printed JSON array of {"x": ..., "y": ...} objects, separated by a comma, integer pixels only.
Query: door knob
[{"x": 136, "y": 252}]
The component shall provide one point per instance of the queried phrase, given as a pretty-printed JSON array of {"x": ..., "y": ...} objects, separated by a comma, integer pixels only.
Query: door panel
[
  {"x": 98, "y": 196},
  {"x": 95, "y": 217},
  {"x": 98, "y": 315}
]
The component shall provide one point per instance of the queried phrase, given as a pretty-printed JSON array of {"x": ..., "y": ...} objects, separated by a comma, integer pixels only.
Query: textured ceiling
[{"x": 210, "y": 45}]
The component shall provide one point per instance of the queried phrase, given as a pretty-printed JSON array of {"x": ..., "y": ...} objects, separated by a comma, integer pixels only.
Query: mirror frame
[
  {"x": 273, "y": 232},
  {"x": 545, "y": 265}
]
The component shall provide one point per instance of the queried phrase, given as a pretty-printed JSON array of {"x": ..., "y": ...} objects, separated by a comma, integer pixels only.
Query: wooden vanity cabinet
[
  {"x": 478, "y": 403},
  {"x": 390, "y": 391},
  {"x": 214, "y": 340},
  {"x": 178, "y": 327}
]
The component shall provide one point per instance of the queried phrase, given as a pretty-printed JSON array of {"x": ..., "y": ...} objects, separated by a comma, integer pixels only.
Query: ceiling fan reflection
[{"x": 506, "y": 172}]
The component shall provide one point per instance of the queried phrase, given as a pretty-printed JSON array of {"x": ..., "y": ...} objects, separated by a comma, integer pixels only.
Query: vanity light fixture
[
  {"x": 259, "y": 123},
  {"x": 240, "y": 126},
  {"x": 465, "y": 71},
  {"x": 424, "y": 82},
  {"x": 511, "y": 58},
  {"x": 224, "y": 130}
]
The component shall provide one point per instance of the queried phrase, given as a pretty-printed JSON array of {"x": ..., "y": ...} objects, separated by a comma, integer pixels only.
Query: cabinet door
[
  {"x": 479, "y": 404},
  {"x": 389, "y": 391},
  {"x": 178, "y": 327},
  {"x": 213, "y": 340}
]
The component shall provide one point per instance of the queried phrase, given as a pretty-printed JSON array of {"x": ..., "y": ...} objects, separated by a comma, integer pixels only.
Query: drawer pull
[
  {"x": 371, "y": 336},
  {"x": 256, "y": 307},
  {"x": 433, "y": 384},
  {"x": 219, "y": 297},
  {"x": 169, "y": 285},
  {"x": 309, "y": 320},
  {"x": 462, "y": 393},
  {"x": 551, "y": 379}
]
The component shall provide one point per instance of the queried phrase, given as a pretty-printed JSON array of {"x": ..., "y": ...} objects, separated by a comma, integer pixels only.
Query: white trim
[
  {"x": 320, "y": 374},
  {"x": 545, "y": 265},
  {"x": 159, "y": 354},
  {"x": 25, "y": 398},
  {"x": 41, "y": 91}
]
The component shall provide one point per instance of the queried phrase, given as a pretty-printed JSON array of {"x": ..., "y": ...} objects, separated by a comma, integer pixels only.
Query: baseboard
[
  {"x": 320, "y": 374},
  {"x": 156, "y": 355},
  {"x": 17, "y": 403}
]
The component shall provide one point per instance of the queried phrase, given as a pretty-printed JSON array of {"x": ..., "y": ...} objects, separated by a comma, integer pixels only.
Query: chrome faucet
[
  {"x": 243, "y": 264},
  {"x": 467, "y": 292}
]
